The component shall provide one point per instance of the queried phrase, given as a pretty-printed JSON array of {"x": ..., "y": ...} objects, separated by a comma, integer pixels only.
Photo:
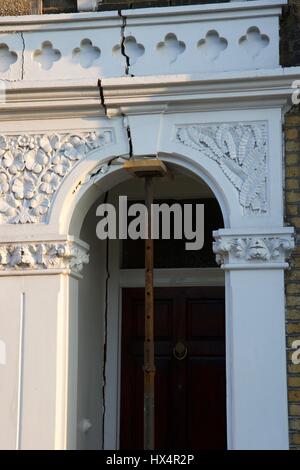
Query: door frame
[{"x": 118, "y": 280}]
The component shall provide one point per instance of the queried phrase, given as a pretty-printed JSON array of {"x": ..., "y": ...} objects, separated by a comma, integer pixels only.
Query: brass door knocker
[{"x": 180, "y": 351}]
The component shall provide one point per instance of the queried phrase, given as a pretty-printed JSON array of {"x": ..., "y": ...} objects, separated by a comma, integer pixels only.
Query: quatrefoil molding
[
  {"x": 86, "y": 54},
  {"x": 254, "y": 41},
  {"x": 171, "y": 47},
  {"x": 47, "y": 55},
  {"x": 132, "y": 49},
  {"x": 212, "y": 45},
  {"x": 7, "y": 57}
]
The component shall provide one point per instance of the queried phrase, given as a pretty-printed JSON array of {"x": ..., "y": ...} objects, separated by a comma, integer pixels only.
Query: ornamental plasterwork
[
  {"x": 253, "y": 249},
  {"x": 32, "y": 167},
  {"x": 43, "y": 256},
  {"x": 240, "y": 150}
]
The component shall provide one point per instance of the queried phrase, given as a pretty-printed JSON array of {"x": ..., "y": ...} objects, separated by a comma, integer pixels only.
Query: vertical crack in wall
[
  {"x": 102, "y": 98},
  {"x": 23, "y": 57},
  {"x": 101, "y": 90},
  {"x": 129, "y": 137},
  {"x": 123, "y": 48},
  {"x": 105, "y": 336},
  {"x": 130, "y": 147},
  {"x": 125, "y": 124}
]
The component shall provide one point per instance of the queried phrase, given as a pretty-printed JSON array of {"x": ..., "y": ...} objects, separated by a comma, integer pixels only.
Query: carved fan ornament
[
  {"x": 32, "y": 167},
  {"x": 241, "y": 152}
]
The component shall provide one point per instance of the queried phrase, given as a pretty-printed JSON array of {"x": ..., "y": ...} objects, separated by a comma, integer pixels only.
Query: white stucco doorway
[{"x": 111, "y": 273}]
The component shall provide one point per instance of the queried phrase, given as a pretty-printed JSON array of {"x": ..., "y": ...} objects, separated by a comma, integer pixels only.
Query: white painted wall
[
  {"x": 91, "y": 337},
  {"x": 29, "y": 417},
  {"x": 10, "y": 312},
  {"x": 259, "y": 394}
]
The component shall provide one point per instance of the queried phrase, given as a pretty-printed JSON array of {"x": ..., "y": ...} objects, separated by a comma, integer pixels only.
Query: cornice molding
[
  {"x": 45, "y": 257},
  {"x": 38, "y": 100},
  {"x": 253, "y": 250},
  {"x": 192, "y": 93},
  {"x": 147, "y": 95}
]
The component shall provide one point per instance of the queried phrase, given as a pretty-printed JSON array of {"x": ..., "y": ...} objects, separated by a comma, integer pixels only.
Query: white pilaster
[
  {"x": 38, "y": 324},
  {"x": 256, "y": 351}
]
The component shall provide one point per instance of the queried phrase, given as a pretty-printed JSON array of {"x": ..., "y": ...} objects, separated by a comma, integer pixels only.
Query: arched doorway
[
  {"x": 249, "y": 265},
  {"x": 190, "y": 311},
  {"x": 223, "y": 128}
]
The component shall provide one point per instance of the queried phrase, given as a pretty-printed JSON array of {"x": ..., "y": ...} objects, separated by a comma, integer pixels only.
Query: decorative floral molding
[
  {"x": 32, "y": 167},
  {"x": 43, "y": 256},
  {"x": 270, "y": 249},
  {"x": 241, "y": 152}
]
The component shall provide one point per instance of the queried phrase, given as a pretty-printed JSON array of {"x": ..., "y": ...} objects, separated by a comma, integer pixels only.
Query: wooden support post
[
  {"x": 149, "y": 363},
  {"x": 148, "y": 169}
]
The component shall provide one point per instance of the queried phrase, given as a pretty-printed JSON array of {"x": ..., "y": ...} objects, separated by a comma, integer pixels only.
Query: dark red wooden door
[{"x": 190, "y": 407}]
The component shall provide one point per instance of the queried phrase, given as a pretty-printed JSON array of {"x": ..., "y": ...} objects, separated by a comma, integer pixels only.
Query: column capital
[
  {"x": 247, "y": 249},
  {"x": 56, "y": 256}
]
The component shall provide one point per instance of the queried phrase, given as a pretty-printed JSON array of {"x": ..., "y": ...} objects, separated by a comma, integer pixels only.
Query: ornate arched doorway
[
  {"x": 64, "y": 139},
  {"x": 190, "y": 310}
]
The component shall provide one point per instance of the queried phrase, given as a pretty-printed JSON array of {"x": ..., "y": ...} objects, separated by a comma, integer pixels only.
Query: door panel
[
  {"x": 190, "y": 394},
  {"x": 207, "y": 417}
]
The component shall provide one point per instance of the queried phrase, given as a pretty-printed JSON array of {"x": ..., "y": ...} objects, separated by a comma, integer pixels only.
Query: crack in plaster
[
  {"x": 125, "y": 124},
  {"x": 102, "y": 97},
  {"x": 122, "y": 44},
  {"x": 77, "y": 187},
  {"x": 123, "y": 38},
  {"x": 23, "y": 57},
  {"x": 8, "y": 80},
  {"x": 105, "y": 336},
  {"x": 129, "y": 137},
  {"x": 101, "y": 93}
]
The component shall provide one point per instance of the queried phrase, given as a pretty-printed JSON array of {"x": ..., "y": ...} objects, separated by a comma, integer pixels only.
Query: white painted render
[{"x": 213, "y": 112}]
